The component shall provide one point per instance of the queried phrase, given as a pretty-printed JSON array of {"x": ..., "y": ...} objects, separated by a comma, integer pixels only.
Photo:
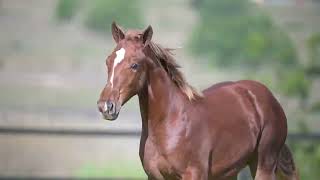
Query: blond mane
[{"x": 165, "y": 58}]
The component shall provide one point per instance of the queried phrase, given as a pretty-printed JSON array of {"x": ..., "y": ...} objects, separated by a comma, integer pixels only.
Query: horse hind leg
[
  {"x": 265, "y": 172},
  {"x": 268, "y": 150},
  {"x": 285, "y": 168}
]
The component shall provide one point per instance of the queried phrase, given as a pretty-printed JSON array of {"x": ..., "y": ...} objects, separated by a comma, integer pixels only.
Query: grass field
[{"x": 114, "y": 169}]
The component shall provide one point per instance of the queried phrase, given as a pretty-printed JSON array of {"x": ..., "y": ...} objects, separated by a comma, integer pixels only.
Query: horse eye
[{"x": 134, "y": 66}]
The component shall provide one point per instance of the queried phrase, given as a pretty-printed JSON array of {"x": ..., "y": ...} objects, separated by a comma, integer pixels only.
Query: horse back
[{"x": 248, "y": 94}]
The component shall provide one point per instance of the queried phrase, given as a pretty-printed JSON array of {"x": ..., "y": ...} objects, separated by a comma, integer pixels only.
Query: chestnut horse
[{"x": 189, "y": 135}]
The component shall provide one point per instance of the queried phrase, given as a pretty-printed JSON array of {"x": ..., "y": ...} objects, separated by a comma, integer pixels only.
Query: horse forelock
[
  {"x": 165, "y": 58},
  {"x": 133, "y": 35}
]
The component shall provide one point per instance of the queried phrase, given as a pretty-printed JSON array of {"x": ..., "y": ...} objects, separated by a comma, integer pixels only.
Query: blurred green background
[{"x": 52, "y": 70}]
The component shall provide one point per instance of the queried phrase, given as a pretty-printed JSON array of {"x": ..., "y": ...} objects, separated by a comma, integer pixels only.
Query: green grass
[{"x": 113, "y": 169}]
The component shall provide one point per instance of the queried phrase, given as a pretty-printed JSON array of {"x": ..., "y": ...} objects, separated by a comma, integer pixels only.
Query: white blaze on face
[{"x": 119, "y": 57}]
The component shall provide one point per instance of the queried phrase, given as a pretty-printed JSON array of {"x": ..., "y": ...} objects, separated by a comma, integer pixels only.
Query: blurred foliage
[
  {"x": 296, "y": 83},
  {"x": 306, "y": 155},
  {"x": 307, "y": 158},
  {"x": 102, "y": 13},
  {"x": 313, "y": 45},
  {"x": 66, "y": 9},
  {"x": 99, "y": 14},
  {"x": 315, "y": 107},
  {"x": 234, "y": 33}
]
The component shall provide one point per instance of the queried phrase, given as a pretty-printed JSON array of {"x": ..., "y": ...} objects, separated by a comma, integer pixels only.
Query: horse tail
[{"x": 286, "y": 168}]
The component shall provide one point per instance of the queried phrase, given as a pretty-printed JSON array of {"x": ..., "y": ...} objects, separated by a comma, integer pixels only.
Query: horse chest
[
  {"x": 165, "y": 150},
  {"x": 158, "y": 163}
]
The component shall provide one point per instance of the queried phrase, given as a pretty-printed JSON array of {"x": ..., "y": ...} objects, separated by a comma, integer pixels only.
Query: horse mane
[{"x": 164, "y": 57}]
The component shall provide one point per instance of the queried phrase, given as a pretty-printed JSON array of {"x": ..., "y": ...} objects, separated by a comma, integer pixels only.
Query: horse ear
[
  {"x": 147, "y": 35},
  {"x": 117, "y": 32}
]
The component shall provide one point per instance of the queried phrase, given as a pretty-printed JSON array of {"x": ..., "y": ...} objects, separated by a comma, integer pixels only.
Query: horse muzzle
[{"x": 109, "y": 110}]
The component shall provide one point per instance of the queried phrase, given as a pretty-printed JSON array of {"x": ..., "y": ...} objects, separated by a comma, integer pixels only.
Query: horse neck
[{"x": 158, "y": 98}]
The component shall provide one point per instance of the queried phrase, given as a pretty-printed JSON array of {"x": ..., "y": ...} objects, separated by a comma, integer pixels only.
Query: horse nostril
[
  {"x": 109, "y": 105},
  {"x": 106, "y": 107}
]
